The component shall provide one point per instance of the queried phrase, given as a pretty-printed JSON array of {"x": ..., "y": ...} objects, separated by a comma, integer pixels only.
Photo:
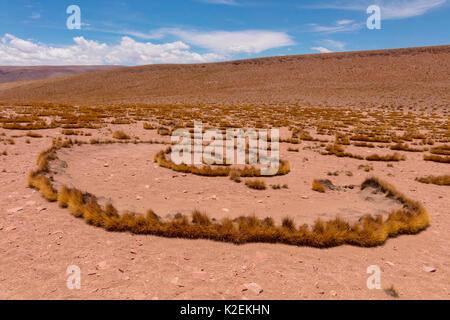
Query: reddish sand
[{"x": 39, "y": 240}]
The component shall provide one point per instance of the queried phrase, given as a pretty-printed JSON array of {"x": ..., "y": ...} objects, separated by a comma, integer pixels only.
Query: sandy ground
[
  {"x": 39, "y": 240},
  {"x": 126, "y": 176}
]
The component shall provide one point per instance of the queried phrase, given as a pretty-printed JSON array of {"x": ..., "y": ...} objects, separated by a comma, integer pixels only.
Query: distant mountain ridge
[{"x": 11, "y": 74}]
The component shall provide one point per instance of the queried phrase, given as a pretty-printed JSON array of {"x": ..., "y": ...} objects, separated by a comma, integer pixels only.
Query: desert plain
[{"x": 343, "y": 118}]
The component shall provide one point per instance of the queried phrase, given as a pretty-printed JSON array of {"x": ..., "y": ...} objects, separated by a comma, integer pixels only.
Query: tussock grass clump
[
  {"x": 119, "y": 134},
  {"x": 392, "y": 291},
  {"x": 206, "y": 170},
  {"x": 369, "y": 231},
  {"x": 339, "y": 151},
  {"x": 389, "y": 157},
  {"x": 436, "y": 158},
  {"x": 441, "y": 150},
  {"x": 318, "y": 186},
  {"x": 256, "y": 184},
  {"x": 163, "y": 131},
  {"x": 279, "y": 186},
  {"x": 235, "y": 176},
  {"x": 34, "y": 135},
  {"x": 437, "y": 180},
  {"x": 404, "y": 147},
  {"x": 42, "y": 183},
  {"x": 148, "y": 126}
]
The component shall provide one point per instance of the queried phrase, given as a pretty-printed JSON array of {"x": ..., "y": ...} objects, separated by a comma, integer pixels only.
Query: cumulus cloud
[{"x": 16, "y": 51}]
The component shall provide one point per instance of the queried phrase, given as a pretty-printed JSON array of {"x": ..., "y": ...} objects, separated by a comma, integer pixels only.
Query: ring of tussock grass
[
  {"x": 247, "y": 172},
  {"x": 368, "y": 232}
]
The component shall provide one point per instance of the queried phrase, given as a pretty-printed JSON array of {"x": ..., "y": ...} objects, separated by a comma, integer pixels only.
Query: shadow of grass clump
[{"x": 369, "y": 231}]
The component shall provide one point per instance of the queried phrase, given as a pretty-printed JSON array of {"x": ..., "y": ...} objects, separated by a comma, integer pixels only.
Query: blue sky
[{"x": 140, "y": 32}]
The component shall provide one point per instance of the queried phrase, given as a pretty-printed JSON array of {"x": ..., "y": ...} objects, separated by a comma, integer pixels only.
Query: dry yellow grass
[
  {"x": 119, "y": 134},
  {"x": 317, "y": 186},
  {"x": 389, "y": 157},
  {"x": 436, "y": 158},
  {"x": 369, "y": 231},
  {"x": 256, "y": 184},
  {"x": 438, "y": 180}
]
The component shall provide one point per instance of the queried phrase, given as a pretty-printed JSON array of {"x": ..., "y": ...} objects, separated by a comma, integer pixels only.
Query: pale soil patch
[{"x": 126, "y": 176}]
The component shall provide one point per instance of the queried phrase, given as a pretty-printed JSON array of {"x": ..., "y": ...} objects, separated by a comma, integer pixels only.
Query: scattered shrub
[
  {"x": 438, "y": 180},
  {"x": 120, "y": 135},
  {"x": 318, "y": 186},
  {"x": 256, "y": 184}
]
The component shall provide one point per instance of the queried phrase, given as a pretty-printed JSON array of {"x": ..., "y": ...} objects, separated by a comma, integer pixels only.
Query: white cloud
[
  {"x": 390, "y": 9},
  {"x": 226, "y": 2},
  {"x": 344, "y": 22},
  {"x": 338, "y": 45},
  {"x": 16, "y": 51},
  {"x": 339, "y": 26},
  {"x": 36, "y": 15},
  {"x": 225, "y": 42},
  {"x": 321, "y": 49},
  {"x": 407, "y": 9}
]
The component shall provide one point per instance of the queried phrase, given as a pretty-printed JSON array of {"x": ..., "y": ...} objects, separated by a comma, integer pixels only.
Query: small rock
[
  {"x": 305, "y": 197},
  {"x": 202, "y": 275},
  {"x": 132, "y": 251},
  {"x": 138, "y": 198},
  {"x": 101, "y": 265},
  {"x": 30, "y": 203},
  {"x": 260, "y": 201},
  {"x": 225, "y": 210},
  {"x": 214, "y": 197},
  {"x": 184, "y": 191},
  {"x": 10, "y": 228},
  {"x": 429, "y": 269},
  {"x": 333, "y": 293},
  {"x": 39, "y": 209},
  {"x": 15, "y": 210},
  {"x": 389, "y": 263},
  {"x": 106, "y": 165},
  {"x": 253, "y": 287},
  {"x": 147, "y": 186}
]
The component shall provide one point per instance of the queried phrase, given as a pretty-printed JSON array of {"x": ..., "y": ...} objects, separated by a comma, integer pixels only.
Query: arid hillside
[
  {"x": 412, "y": 77},
  {"x": 12, "y": 74}
]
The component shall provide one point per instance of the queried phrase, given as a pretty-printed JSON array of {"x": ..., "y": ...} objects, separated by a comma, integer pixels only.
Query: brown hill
[
  {"x": 412, "y": 76},
  {"x": 11, "y": 74}
]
